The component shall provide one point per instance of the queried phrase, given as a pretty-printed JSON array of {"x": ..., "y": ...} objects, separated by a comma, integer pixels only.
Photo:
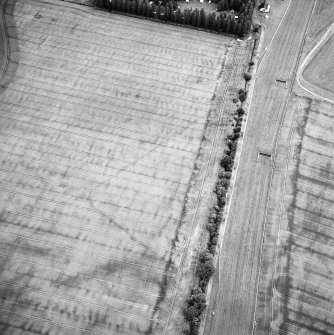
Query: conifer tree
[
  {"x": 194, "y": 18},
  {"x": 167, "y": 13},
  {"x": 150, "y": 9},
  {"x": 127, "y": 6},
  {"x": 172, "y": 15},
  {"x": 219, "y": 23},
  {"x": 203, "y": 18},
  {"x": 224, "y": 22},
  {"x": 158, "y": 11},
  {"x": 114, "y": 4},
  {"x": 213, "y": 21},
  {"x": 122, "y": 5},
  {"x": 140, "y": 8},
  {"x": 234, "y": 25},
  {"x": 145, "y": 8},
  {"x": 136, "y": 6},
  {"x": 170, "y": 5},
  {"x": 178, "y": 16},
  {"x": 186, "y": 16},
  {"x": 228, "y": 25}
]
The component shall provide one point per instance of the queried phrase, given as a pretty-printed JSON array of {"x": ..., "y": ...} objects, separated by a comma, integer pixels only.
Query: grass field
[
  {"x": 102, "y": 117},
  {"x": 316, "y": 70},
  {"x": 320, "y": 70}
]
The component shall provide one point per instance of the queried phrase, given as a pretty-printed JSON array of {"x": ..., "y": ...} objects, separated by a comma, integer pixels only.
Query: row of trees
[
  {"x": 196, "y": 303},
  {"x": 169, "y": 12}
]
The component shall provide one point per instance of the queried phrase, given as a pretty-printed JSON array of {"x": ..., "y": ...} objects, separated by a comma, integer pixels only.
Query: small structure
[
  {"x": 264, "y": 154},
  {"x": 279, "y": 80},
  {"x": 265, "y": 9}
]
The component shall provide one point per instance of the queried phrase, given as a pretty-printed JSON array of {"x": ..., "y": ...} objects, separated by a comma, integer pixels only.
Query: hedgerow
[{"x": 196, "y": 303}]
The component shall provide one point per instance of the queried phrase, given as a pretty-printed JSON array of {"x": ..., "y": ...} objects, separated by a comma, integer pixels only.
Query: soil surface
[{"x": 100, "y": 132}]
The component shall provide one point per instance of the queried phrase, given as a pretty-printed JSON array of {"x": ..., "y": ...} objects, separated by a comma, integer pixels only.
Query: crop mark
[{"x": 88, "y": 153}]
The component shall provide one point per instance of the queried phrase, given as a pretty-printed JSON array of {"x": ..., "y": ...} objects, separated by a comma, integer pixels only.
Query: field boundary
[
  {"x": 4, "y": 42},
  {"x": 223, "y": 23},
  {"x": 162, "y": 22},
  {"x": 198, "y": 199}
]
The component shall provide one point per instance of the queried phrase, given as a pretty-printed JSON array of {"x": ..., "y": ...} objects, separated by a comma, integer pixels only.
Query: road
[{"x": 234, "y": 299}]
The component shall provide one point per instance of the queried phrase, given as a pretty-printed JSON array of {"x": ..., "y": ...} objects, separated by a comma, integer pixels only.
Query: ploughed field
[{"x": 102, "y": 117}]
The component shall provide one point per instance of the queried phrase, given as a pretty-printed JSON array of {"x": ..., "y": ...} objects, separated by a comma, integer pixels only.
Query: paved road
[{"x": 234, "y": 299}]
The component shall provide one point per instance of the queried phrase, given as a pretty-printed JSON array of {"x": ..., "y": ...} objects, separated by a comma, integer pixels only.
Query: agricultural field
[
  {"x": 316, "y": 70},
  {"x": 302, "y": 301},
  {"x": 295, "y": 287},
  {"x": 303, "y": 282},
  {"x": 241, "y": 297},
  {"x": 319, "y": 71},
  {"x": 102, "y": 121}
]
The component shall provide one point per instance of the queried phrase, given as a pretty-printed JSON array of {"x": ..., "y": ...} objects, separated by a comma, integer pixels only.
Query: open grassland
[
  {"x": 102, "y": 118},
  {"x": 321, "y": 20},
  {"x": 316, "y": 71},
  {"x": 320, "y": 71}
]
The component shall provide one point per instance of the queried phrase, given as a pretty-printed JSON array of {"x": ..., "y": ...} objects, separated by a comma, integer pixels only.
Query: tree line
[
  {"x": 169, "y": 11},
  {"x": 196, "y": 303}
]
